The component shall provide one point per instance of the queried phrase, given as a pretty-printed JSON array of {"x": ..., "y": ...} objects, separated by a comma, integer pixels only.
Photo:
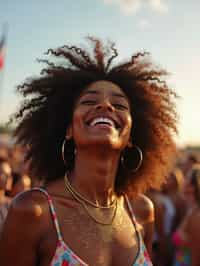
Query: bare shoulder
[
  {"x": 144, "y": 211},
  {"x": 145, "y": 201},
  {"x": 31, "y": 203},
  {"x": 143, "y": 208},
  {"x": 26, "y": 223},
  {"x": 28, "y": 211}
]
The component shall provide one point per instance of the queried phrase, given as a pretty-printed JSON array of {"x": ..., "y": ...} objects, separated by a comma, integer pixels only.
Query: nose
[{"x": 105, "y": 105}]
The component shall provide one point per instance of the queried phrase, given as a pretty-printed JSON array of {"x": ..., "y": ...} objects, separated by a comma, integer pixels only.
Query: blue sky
[{"x": 169, "y": 29}]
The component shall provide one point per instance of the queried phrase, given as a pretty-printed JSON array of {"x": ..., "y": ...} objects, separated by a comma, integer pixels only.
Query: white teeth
[{"x": 102, "y": 120}]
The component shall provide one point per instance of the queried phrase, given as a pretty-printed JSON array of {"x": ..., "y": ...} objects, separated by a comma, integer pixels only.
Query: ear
[{"x": 69, "y": 133}]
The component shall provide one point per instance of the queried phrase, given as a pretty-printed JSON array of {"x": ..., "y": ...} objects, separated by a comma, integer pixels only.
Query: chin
[
  {"x": 105, "y": 140},
  {"x": 106, "y": 143}
]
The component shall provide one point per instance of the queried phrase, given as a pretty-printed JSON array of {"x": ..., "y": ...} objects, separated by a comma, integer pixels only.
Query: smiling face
[{"x": 101, "y": 117}]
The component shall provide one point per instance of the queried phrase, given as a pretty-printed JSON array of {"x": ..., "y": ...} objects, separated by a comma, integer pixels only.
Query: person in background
[
  {"x": 16, "y": 158},
  {"x": 170, "y": 208},
  {"x": 21, "y": 182},
  {"x": 5, "y": 184},
  {"x": 164, "y": 217},
  {"x": 98, "y": 135},
  {"x": 173, "y": 189},
  {"x": 190, "y": 160},
  {"x": 187, "y": 237}
]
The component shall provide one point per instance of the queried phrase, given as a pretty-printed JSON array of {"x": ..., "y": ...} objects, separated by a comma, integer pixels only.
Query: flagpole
[{"x": 4, "y": 39}]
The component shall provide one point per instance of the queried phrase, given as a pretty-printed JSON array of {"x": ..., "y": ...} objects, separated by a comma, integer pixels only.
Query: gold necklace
[
  {"x": 83, "y": 203},
  {"x": 97, "y": 220},
  {"x": 72, "y": 190}
]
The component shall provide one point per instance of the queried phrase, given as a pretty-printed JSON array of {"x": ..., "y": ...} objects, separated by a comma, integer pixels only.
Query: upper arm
[
  {"x": 149, "y": 217},
  {"x": 145, "y": 215},
  {"x": 20, "y": 235}
]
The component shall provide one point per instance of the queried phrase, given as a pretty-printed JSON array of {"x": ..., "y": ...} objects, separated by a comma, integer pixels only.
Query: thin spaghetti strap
[
  {"x": 53, "y": 213},
  {"x": 131, "y": 212},
  {"x": 138, "y": 235}
]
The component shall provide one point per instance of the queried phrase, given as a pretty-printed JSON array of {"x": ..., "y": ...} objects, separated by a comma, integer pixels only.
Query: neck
[{"x": 94, "y": 176}]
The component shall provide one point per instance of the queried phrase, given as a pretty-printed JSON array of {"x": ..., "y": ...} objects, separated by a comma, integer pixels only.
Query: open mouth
[{"x": 103, "y": 121}]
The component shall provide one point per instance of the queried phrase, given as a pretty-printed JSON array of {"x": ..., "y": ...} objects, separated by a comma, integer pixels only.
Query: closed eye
[
  {"x": 120, "y": 106},
  {"x": 88, "y": 102}
]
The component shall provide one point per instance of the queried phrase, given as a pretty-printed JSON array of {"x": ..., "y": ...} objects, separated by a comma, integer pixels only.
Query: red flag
[{"x": 2, "y": 51}]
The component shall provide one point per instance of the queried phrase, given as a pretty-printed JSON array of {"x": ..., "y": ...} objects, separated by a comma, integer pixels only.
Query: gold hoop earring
[
  {"x": 128, "y": 159},
  {"x": 70, "y": 152},
  {"x": 63, "y": 152}
]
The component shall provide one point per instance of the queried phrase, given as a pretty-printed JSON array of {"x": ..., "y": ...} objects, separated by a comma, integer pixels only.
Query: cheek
[
  {"x": 77, "y": 126},
  {"x": 79, "y": 116},
  {"x": 125, "y": 134},
  {"x": 129, "y": 122},
  {"x": 128, "y": 125},
  {"x": 76, "y": 118}
]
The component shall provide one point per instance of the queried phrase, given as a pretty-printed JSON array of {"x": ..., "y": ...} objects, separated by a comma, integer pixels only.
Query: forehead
[{"x": 104, "y": 87}]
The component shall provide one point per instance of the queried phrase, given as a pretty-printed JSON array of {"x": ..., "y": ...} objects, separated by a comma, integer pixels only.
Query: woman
[
  {"x": 173, "y": 189},
  {"x": 169, "y": 205},
  {"x": 187, "y": 236},
  {"x": 104, "y": 118}
]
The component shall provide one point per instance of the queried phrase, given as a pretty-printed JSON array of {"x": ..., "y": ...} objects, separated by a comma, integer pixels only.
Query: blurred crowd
[
  {"x": 177, "y": 209},
  {"x": 176, "y": 204},
  {"x": 14, "y": 177}
]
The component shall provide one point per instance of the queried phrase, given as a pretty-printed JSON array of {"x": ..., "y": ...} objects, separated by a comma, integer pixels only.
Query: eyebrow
[{"x": 90, "y": 91}]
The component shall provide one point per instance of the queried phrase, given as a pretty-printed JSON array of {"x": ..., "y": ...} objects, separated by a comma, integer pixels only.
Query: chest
[{"x": 96, "y": 244}]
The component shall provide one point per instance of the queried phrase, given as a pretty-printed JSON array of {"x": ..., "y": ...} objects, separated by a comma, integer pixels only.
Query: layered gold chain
[{"x": 84, "y": 202}]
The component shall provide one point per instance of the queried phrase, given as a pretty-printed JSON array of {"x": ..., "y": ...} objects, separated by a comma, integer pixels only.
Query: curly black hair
[{"x": 47, "y": 110}]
